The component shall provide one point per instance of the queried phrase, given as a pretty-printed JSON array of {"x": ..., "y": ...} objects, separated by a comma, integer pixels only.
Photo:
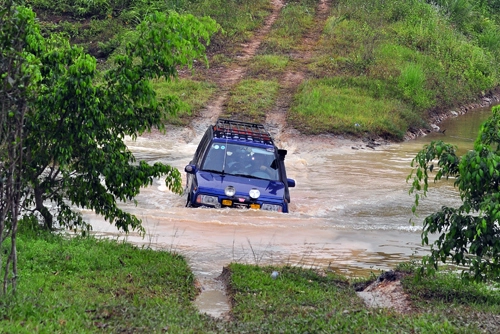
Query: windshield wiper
[
  {"x": 213, "y": 171},
  {"x": 250, "y": 176}
]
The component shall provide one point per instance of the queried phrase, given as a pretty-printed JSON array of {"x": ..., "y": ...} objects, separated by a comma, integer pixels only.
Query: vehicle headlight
[
  {"x": 254, "y": 193},
  {"x": 272, "y": 207},
  {"x": 208, "y": 200},
  {"x": 229, "y": 191}
]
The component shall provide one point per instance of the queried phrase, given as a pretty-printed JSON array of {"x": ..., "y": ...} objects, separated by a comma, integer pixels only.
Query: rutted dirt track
[
  {"x": 289, "y": 81},
  {"x": 230, "y": 76},
  {"x": 276, "y": 120}
]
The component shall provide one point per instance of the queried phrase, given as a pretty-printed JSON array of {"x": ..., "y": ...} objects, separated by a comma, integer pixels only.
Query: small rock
[{"x": 435, "y": 127}]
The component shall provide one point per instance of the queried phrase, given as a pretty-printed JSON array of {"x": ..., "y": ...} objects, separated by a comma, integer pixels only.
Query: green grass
[
  {"x": 193, "y": 95},
  {"x": 251, "y": 99},
  {"x": 295, "y": 19},
  {"x": 449, "y": 288},
  {"x": 301, "y": 300},
  {"x": 425, "y": 65},
  {"x": 267, "y": 66},
  {"x": 465, "y": 304},
  {"x": 89, "y": 285},
  {"x": 239, "y": 19},
  {"x": 349, "y": 106},
  {"x": 86, "y": 285}
]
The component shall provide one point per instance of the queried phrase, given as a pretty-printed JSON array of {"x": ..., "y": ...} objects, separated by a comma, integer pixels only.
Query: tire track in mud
[
  {"x": 229, "y": 77},
  {"x": 291, "y": 79}
]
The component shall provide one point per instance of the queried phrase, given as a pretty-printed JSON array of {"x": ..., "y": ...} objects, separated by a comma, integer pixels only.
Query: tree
[
  {"x": 19, "y": 39},
  {"x": 63, "y": 123},
  {"x": 469, "y": 235},
  {"x": 76, "y": 137}
]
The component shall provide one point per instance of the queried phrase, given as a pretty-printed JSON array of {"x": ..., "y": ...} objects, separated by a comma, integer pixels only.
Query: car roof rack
[{"x": 230, "y": 129}]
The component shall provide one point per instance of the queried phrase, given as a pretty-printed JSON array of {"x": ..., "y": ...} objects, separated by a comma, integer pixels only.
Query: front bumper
[{"x": 239, "y": 202}]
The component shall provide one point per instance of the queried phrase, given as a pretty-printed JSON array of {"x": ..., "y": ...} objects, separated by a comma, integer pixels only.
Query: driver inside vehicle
[{"x": 262, "y": 163}]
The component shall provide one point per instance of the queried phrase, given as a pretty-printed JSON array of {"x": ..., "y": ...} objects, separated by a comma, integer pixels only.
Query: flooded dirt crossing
[{"x": 350, "y": 211}]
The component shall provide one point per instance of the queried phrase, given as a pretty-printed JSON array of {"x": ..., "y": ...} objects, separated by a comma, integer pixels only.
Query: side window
[
  {"x": 214, "y": 158},
  {"x": 203, "y": 152},
  {"x": 205, "y": 141}
]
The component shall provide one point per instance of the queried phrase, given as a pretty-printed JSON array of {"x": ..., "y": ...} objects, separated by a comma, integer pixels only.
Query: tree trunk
[{"x": 47, "y": 216}]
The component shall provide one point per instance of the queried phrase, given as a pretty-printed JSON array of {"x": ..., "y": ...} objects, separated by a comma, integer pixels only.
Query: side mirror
[
  {"x": 281, "y": 154},
  {"x": 190, "y": 169},
  {"x": 291, "y": 183}
]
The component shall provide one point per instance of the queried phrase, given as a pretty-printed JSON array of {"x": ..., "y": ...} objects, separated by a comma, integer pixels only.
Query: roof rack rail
[{"x": 230, "y": 129}]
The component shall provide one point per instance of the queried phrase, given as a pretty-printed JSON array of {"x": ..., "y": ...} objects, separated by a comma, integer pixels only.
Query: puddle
[{"x": 214, "y": 303}]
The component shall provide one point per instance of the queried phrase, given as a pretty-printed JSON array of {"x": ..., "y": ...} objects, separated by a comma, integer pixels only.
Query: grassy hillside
[{"x": 366, "y": 67}]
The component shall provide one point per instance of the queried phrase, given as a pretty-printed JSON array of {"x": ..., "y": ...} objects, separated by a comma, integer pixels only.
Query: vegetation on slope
[
  {"x": 377, "y": 67},
  {"x": 383, "y": 53}
]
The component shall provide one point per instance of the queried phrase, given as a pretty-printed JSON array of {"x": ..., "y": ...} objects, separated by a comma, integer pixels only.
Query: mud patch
[{"x": 387, "y": 292}]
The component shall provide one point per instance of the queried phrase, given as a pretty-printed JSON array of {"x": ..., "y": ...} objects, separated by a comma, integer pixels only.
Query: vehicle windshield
[{"x": 243, "y": 160}]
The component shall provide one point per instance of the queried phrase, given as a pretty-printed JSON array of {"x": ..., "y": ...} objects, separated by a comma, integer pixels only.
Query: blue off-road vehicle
[{"x": 237, "y": 165}]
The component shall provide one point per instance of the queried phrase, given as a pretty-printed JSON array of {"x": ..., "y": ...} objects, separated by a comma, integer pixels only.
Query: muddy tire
[{"x": 188, "y": 201}]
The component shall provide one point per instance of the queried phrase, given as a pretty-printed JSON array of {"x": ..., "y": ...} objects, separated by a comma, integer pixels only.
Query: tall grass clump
[
  {"x": 471, "y": 18},
  {"x": 412, "y": 84}
]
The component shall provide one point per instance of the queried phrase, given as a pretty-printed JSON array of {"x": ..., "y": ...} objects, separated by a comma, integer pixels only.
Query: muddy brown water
[{"x": 350, "y": 210}]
